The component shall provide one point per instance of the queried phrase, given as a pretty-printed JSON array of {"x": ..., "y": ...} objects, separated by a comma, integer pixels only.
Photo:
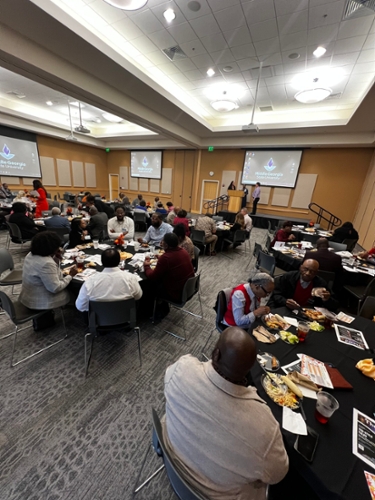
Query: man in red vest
[
  {"x": 294, "y": 289},
  {"x": 244, "y": 303}
]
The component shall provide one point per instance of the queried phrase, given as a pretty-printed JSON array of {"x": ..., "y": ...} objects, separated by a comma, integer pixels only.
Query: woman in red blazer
[{"x": 41, "y": 202}]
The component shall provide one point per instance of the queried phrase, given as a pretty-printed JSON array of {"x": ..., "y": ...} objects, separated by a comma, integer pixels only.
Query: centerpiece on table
[{"x": 119, "y": 242}]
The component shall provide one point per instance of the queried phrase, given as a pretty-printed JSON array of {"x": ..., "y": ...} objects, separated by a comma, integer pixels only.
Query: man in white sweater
[
  {"x": 120, "y": 224},
  {"x": 223, "y": 436}
]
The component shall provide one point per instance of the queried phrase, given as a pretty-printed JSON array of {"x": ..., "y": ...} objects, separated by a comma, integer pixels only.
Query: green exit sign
[
  {"x": 210, "y": 149},
  {"x": 107, "y": 150}
]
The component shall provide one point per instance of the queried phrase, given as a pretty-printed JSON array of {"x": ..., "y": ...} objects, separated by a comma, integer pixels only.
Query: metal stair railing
[
  {"x": 216, "y": 205},
  {"x": 323, "y": 214}
]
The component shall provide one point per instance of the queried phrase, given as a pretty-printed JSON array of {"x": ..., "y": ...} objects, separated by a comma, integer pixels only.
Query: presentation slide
[
  {"x": 271, "y": 168},
  {"x": 19, "y": 158},
  {"x": 145, "y": 164}
]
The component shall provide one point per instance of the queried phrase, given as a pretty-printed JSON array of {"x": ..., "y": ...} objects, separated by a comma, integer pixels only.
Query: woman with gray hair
[{"x": 244, "y": 303}]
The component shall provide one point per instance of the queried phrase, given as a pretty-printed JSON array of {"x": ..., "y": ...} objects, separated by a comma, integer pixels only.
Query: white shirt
[
  {"x": 120, "y": 227},
  {"x": 110, "y": 284},
  {"x": 248, "y": 222}
]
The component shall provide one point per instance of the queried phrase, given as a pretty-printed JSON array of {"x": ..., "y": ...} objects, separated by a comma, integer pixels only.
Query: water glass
[
  {"x": 326, "y": 405},
  {"x": 96, "y": 244},
  {"x": 302, "y": 330}
]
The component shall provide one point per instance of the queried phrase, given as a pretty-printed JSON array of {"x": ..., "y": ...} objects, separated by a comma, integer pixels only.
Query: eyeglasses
[{"x": 264, "y": 290}]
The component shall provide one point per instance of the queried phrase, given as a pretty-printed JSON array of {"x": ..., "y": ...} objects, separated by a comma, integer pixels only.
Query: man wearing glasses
[
  {"x": 302, "y": 288},
  {"x": 244, "y": 304}
]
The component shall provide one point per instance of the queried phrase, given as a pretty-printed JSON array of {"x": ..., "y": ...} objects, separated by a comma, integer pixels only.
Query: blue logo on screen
[
  {"x": 270, "y": 165},
  {"x": 6, "y": 153},
  {"x": 145, "y": 162}
]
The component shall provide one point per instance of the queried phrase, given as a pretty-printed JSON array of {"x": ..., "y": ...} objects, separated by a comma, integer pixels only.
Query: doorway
[
  {"x": 209, "y": 192},
  {"x": 113, "y": 186}
]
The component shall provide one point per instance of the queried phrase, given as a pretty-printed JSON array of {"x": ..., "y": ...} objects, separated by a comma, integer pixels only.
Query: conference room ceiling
[{"x": 234, "y": 38}]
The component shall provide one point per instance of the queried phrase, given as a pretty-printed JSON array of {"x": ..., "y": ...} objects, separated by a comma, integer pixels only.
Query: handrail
[
  {"x": 323, "y": 214},
  {"x": 217, "y": 204}
]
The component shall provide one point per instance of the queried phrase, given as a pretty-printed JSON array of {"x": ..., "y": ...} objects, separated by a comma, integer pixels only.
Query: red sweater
[
  {"x": 302, "y": 295},
  {"x": 281, "y": 235},
  {"x": 172, "y": 271},
  {"x": 184, "y": 221}
]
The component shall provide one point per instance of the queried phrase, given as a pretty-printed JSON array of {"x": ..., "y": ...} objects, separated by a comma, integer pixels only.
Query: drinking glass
[
  {"x": 152, "y": 251},
  {"x": 302, "y": 330},
  {"x": 80, "y": 262},
  {"x": 326, "y": 405},
  {"x": 96, "y": 244}
]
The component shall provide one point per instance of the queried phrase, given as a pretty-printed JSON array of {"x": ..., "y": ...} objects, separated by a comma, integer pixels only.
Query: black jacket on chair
[{"x": 27, "y": 226}]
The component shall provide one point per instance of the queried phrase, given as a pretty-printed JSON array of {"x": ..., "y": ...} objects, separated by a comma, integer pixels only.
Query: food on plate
[
  {"x": 292, "y": 386},
  {"x": 275, "y": 321},
  {"x": 279, "y": 392},
  {"x": 125, "y": 255},
  {"x": 316, "y": 327},
  {"x": 144, "y": 245},
  {"x": 268, "y": 361},
  {"x": 313, "y": 315},
  {"x": 274, "y": 362},
  {"x": 288, "y": 337},
  {"x": 91, "y": 264}
]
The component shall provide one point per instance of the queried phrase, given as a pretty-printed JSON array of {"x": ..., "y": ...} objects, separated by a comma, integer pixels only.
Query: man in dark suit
[
  {"x": 98, "y": 223},
  {"x": 56, "y": 221},
  {"x": 100, "y": 205},
  {"x": 328, "y": 261},
  {"x": 27, "y": 226}
]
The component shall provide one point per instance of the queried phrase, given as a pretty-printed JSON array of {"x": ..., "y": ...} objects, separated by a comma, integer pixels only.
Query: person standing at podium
[
  {"x": 231, "y": 186},
  {"x": 256, "y": 198},
  {"x": 244, "y": 198}
]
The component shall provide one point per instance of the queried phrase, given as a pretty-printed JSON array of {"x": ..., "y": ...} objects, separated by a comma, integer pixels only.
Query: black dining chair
[
  {"x": 14, "y": 277},
  {"x": 360, "y": 292},
  {"x": 266, "y": 263},
  {"x": 350, "y": 244},
  {"x": 109, "y": 315},
  {"x": 181, "y": 488},
  {"x": 199, "y": 239},
  {"x": 239, "y": 237},
  {"x": 15, "y": 235},
  {"x": 62, "y": 233},
  {"x": 196, "y": 258},
  {"x": 328, "y": 277},
  {"x": 312, "y": 238},
  {"x": 140, "y": 221},
  {"x": 221, "y": 305},
  {"x": 368, "y": 308},
  {"x": 337, "y": 247}
]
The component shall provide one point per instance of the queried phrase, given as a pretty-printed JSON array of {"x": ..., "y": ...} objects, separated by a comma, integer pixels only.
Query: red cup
[{"x": 302, "y": 330}]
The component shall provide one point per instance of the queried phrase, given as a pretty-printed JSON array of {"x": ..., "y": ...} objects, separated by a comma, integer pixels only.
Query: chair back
[
  {"x": 6, "y": 261},
  {"x": 269, "y": 227},
  {"x": 217, "y": 218},
  {"x": 47, "y": 213},
  {"x": 350, "y": 244},
  {"x": 15, "y": 232},
  {"x": 138, "y": 217},
  {"x": 312, "y": 238},
  {"x": 196, "y": 258},
  {"x": 198, "y": 237},
  {"x": 239, "y": 236},
  {"x": 368, "y": 308},
  {"x": 191, "y": 287},
  {"x": 257, "y": 249},
  {"x": 62, "y": 233},
  {"x": 111, "y": 312},
  {"x": 7, "y": 305},
  {"x": 178, "y": 483},
  {"x": 370, "y": 289},
  {"x": 268, "y": 243},
  {"x": 327, "y": 276},
  {"x": 221, "y": 306},
  {"x": 338, "y": 247},
  {"x": 266, "y": 263}
]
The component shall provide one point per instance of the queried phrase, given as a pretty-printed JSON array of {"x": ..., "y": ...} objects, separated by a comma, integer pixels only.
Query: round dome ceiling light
[
  {"x": 127, "y": 4},
  {"x": 228, "y": 69},
  {"x": 312, "y": 96},
  {"x": 224, "y": 106},
  {"x": 194, "y": 6},
  {"x": 294, "y": 55}
]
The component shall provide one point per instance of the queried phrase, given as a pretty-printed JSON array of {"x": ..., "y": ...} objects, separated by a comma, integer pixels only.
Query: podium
[{"x": 235, "y": 200}]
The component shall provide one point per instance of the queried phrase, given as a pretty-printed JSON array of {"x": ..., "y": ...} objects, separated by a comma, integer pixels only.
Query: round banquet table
[{"x": 335, "y": 472}]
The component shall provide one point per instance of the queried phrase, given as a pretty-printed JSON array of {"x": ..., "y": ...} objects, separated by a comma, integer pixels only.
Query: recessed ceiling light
[
  {"x": 210, "y": 72},
  {"x": 319, "y": 52},
  {"x": 111, "y": 118},
  {"x": 224, "y": 106},
  {"x": 228, "y": 69},
  {"x": 294, "y": 55},
  {"x": 312, "y": 96},
  {"x": 49, "y": 103},
  {"x": 169, "y": 15},
  {"x": 194, "y": 6},
  {"x": 127, "y": 4}
]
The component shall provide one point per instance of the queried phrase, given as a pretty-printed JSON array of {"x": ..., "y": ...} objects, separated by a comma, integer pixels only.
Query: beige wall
[{"x": 364, "y": 220}]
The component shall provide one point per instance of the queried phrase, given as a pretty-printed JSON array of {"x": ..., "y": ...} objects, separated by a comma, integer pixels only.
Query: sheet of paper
[
  {"x": 293, "y": 422},
  {"x": 370, "y": 478},
  {"x": 104, "y": 246},
  {"x": 279, "y": 244},
  {"x": 94, "y": 258},
  {"x": 291, "y": 321},
  {"x": 295, "y": 366},
  {"x": 345, "y": 318},
  {"x": 307, "y": 393},
  {"x": 363, "y": 439},
  {"x": 351, "y": 337},
  {"x": 350, "y": 269},
  {"x": 316, "y": 371}
]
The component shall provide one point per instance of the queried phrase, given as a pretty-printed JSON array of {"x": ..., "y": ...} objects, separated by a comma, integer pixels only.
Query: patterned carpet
[{"x": 63, "y": 437}]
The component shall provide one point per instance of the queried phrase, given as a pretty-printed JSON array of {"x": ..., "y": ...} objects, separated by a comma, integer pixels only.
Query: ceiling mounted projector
[
  {"x": 250, "y": 128},
  {"x": 82, "y": 129}
]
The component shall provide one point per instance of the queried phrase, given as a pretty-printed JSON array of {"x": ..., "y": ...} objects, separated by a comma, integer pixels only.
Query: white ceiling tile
[
  {"x": 266, "y": 73},
  {"x": 277, "y": 93},
  {"x": 162, "y": 39},
  {"x": 222, "y": 4},
  {"x": 275, "y": 80},
  {"x": 182, "y": 32},
  {"x": 298, "y": 67},
  {"x": 194, "y": 74},
  {"x": 127, "y": 29},
  {"x": 233, "y": 77},
  {"x": 248, "y": 63},
  {"x": 230, "y": 18},
  {"x": 159, "y": 10},
  {"x": 243, "y": 51},
  {"x": 292, "y": 23},
  {"x": 193, "y": 48},
  {"x": 239, "y": 36},
  {"x": 187, "y": 85},
  {"x": 190, "y": 14},
  {"x": 370, "y": 42},
  {"x": 344, "y": 59},
  {"x": 372, "y": 30},
  {"x": 184, "y": 65},
  {"x": 256, "y": 12},
  {"x": 364, "y": 68},
  {"x": 246, "y": 99},
  {"x": 301, "y": 51},
  {"x": 293, "y": 41},
  {"x": 267, "y": 47},
  {"x": 222, "y": 56},
  {"x": 144, "y": 44},
  {"x": 108, "y": 12},
  {"x": 213, "y": 43},
  {"x": 315, "y": 3},
  {"x": 168, "y": 68},
  {"x": 290, "y": 6},
  {"x": 322, "y": 35},
  {"x": 147, "y": 22},
  {"x": 178, "y": 77},
  {"x": 323, "y": 15},
  {"x": 253, "y": 83},
  {"x": 205, "y": 25},
  {"x": 271, "y": 59},
  {"x": 264, "y": 30},
  {"x": 346, "y": 45},
  {"x": 355, "y": 27},
  {"x": 202, "y": 61},
  {"x": 367, "y": 56},
  {"x": 158, "y": 57}
]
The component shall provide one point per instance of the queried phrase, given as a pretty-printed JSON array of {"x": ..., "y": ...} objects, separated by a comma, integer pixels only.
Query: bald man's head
[
  {"x": 309, "y": 269},
  {"x": 234, "y": 354}
]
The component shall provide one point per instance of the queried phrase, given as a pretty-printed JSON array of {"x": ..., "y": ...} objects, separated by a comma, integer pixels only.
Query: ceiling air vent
[
  {"x": 174, "y": 53},
  {"x": 356, "y": 8},
  {"x": 265, "y": 108}
]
